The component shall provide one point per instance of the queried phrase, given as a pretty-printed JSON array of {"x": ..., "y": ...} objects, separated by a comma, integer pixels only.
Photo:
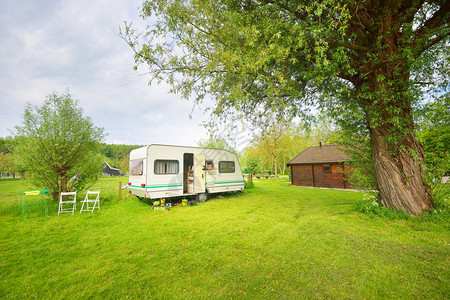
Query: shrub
[
  {"x": 370, "y": 205},
  {"x": 249, "y": 185},
  {"x": 441, "y": 211}
]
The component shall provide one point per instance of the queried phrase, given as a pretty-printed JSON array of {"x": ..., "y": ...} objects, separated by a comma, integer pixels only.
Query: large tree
[
  {"x": 58, "y": 146},
  {"x": 255, "y": 56}
]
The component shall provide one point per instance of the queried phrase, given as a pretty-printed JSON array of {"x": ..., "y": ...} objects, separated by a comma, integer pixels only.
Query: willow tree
[
  {"x": 254, "y": 56},
  {"x": 59, "y": 146}
]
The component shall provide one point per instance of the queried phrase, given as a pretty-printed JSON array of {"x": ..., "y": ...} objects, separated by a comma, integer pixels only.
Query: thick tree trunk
[
  {"x": 400, "y": 176},
  {"x": 399, "y": 167},
  {"x": 64, "y": 183}
]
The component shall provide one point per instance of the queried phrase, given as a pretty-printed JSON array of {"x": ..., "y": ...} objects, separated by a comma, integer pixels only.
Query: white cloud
[{"x": 54, "y": 45}]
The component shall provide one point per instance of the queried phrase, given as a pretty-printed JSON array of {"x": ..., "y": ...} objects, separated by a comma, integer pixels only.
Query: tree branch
[
  {"x": 439, "y": 19},
  {"x": 431, "y": 43}
]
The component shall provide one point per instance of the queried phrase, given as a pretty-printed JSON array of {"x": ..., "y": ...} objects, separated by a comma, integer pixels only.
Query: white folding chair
[
  {"x": 66, "y": 199},
  {"x": 91, "y": 200}
]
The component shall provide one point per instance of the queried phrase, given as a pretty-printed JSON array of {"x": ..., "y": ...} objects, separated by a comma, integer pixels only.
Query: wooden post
[{"x": 120, "y": 189}]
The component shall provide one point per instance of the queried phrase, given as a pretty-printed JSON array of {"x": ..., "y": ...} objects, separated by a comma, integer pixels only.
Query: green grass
[{"x": 271, "y": 241}]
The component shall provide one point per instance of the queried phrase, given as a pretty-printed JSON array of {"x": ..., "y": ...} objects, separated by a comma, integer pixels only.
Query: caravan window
[
  {"x": 166, "y": 166},
  {"x": 136, "y": 167},
  {"x": 226, "y": 166}
]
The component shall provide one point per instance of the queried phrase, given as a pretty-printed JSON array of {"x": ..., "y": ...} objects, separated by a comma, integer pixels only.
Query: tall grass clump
[
  {"x": 370, "y": 205},
  {"x": 441, "y": 211}
]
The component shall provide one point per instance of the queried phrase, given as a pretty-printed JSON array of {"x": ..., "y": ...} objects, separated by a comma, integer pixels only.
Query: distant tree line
[
  {"x": 8, "y": 159},
  {"x": 272, "y": 148}
]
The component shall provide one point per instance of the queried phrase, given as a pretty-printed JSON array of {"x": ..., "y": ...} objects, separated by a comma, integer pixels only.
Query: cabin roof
[
  {"x": 108, "y": 167},
  {"x": 319, "y": 154}
]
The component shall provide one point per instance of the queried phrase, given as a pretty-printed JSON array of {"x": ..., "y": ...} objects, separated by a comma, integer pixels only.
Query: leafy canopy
[{"x": 253, "y": 57}]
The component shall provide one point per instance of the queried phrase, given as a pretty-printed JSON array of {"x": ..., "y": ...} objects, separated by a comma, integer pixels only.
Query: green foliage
[
  {"x": 353, "y": 136},
  {"x": 289, "y": 54},
  {"x": 252, "y": 162},
  {"x": 274, "y": 144},
  {"x": 249, "y": 185},
  {"x": 216, "y": 143},
  {"x": 434, "y": 133},
  {"x": 441, "y": 211},
  {"x": 371, "y": 206},
  {"x": 7, "y": 145},
  {"x": 58, "y": 145},
  {"x": 440, "y": 191},
  {"x": 9, "y": 161},
  {"x": 355, "y": 142},
  {"x": 282, "y": 141},
  {"x": 362, "y": 176}
]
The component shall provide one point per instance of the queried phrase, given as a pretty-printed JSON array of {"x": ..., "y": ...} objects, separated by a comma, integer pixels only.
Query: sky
[{"x": 57, "y": 45}]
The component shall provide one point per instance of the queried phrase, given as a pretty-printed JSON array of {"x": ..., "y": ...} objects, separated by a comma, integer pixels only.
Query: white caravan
[{"x": 161, "y": 171}]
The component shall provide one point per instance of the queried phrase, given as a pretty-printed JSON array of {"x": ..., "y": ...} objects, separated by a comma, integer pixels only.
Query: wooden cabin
[{"x": 321, "y": 166}]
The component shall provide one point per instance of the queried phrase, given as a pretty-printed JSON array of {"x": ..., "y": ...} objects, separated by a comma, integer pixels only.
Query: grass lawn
[{"x": 271, "y": 241}]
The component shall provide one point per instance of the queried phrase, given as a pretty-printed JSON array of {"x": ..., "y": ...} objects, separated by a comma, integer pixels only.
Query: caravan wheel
[{"x": 202, "y": 197}]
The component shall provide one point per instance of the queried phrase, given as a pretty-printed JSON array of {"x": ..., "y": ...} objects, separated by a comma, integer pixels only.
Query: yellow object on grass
[{"x": 32, "y": 193}]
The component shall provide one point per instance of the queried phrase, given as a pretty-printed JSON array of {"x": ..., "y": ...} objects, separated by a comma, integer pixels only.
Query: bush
[
  {"x": 370, "y": 205},
  {"x": 249, "y": 185},
  {"x": 440, "y": 193},
  {"x": 441, "y": 211}
]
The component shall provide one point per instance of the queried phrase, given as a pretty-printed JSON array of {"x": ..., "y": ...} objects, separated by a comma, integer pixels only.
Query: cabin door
[{"x": 199, "y": 173}]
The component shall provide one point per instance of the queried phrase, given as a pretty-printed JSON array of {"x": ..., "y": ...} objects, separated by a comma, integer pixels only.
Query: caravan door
[{"x": 199, "y": 173}]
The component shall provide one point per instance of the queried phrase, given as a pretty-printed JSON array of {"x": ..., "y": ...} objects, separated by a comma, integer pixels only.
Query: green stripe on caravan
[
  {"x": 224, "y": 182},
  {"x": 155, "y": 186},
  {"x": 163, "y": 186}
]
